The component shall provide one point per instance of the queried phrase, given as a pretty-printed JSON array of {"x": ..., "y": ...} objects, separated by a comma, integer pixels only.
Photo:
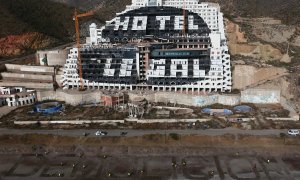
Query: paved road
[{"x": 131, "y": 132}]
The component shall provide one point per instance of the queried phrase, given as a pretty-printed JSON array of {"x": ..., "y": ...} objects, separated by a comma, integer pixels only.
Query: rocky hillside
[
  {"x": 47, "y": 17},
  {"x": 52, "y": 19},
  {"x": 16, "y": 45},
  {"x": 286, "y": 10},
  {"x": 106, "y": 9},
  {"x": 22, "y": 20},
  {"x": 82, "y": 4},
  {"x": 27, "y": 25}
]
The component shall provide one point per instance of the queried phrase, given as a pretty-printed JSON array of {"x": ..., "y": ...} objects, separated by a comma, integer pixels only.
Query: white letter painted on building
[
  {"x": 139, "y": 23},
  {"x": 124, "y": 23},
  {"x": 191, "y": 23},
  {"x": 178, "y": 24},
  {"x": 93, "y": 33},
  {"x": 162, "y": 23}
]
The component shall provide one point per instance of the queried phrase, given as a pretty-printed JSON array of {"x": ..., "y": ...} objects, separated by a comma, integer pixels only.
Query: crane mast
[
  {"x": 77, "y": 31},
  {"x": 184, "y": 16}
]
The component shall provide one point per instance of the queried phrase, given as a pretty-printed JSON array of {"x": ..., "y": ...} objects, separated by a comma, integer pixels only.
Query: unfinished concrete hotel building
[{"x": 161, "y": 45}]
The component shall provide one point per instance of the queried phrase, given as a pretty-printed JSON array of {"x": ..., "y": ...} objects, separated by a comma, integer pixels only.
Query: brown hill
[{"x": 286, "y": 10}]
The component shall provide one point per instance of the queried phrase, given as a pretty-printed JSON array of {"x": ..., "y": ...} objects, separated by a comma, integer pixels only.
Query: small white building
[
  {"x": 16, "y": 96},
  {"x": 52, "y": 57}
]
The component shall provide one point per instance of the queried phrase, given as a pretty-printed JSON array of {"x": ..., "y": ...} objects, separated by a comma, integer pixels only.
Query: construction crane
[
  {"x": 79, "y": 65},
  {"x": 184, "y": 16}
]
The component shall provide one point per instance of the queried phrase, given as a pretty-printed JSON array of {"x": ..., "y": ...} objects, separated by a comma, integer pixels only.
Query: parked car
[
  {"x": 101, "y": 133},
  {"x": 293, "y": 132}
]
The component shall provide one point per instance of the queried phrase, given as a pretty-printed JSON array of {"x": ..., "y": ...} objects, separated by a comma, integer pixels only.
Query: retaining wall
[
  {"x": 67, "y": 122},
  {"x": 260, "y": 96},
  {"x": 27, "y": 76},
  {"x": 75, "y": 97},
  {"x": 229, "y": 100},
  {"x": 283, "y": 119},
  {"x": 187, "y": 99},
  {"x": 79, "y": 122},
  {"x": 28, "y": 85},
  {"x": 144, "y": 121},
  {"x": 25, "y": 68},
  {"x": 72, "y": 97}
]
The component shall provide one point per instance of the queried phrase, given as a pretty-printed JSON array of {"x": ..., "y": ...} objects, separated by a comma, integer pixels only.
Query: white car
[
  {"x": 293, "y": 132},
  {"x": 101, "y": 133}
]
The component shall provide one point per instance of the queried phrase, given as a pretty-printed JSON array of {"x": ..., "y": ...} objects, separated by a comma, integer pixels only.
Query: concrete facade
[
  {"x": 16, "y": 96},
  {"x": 52, "y": 57}
]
